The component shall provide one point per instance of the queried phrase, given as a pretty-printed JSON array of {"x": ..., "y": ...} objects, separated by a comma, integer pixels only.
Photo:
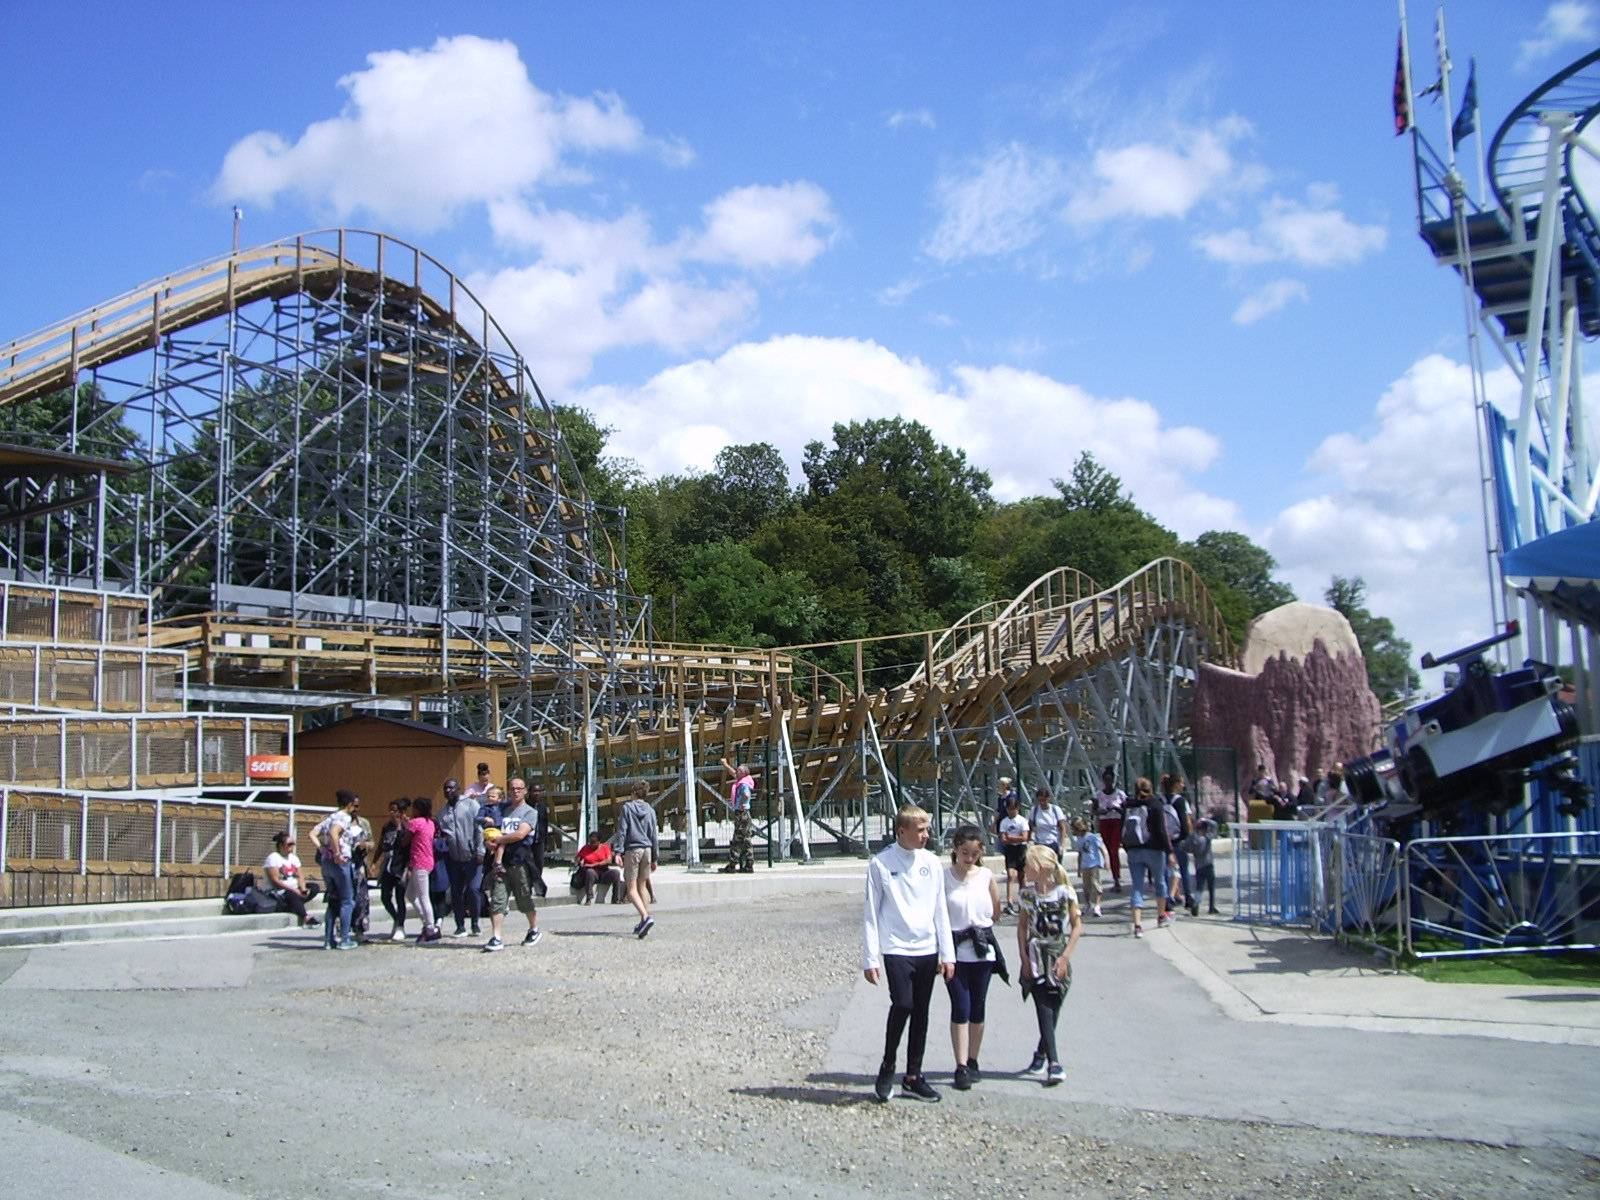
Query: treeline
[{"x": 894, "y": 532}]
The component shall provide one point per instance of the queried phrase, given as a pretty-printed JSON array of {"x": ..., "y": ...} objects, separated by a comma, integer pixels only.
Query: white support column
[
  {"x": 691, "y": 798},
  {"x": 793, "y": 776},
  {"x": 155, "y": 849},
  {"x": 589, "y": 805},
  {"x": 83, "y": 836}
]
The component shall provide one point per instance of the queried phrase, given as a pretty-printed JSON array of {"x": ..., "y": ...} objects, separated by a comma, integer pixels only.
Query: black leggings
[
  {"x": 392, "y": 888},
  {"x": 1047, "y": 1007},
  {"x": 910, "y": 981},
  {"x": 1205, "y": 879},
  {"x": 293, "y": 902}
]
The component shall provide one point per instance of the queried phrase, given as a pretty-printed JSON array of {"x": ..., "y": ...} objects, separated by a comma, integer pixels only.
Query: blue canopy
[{"x": 1561, "y": 571}]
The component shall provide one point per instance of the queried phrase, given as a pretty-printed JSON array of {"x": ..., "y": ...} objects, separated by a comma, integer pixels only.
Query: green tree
[
  {"x": 1389, "y": 670},
  {"x": 1227, "y": 557},
  {"x": 937, "y": 496},
  {"x": 730, "y": 596}
]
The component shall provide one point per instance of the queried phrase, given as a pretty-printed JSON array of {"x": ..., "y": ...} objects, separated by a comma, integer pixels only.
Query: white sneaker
[
  {"x": 1096, "y": 910},
  {"x": 399, "y": 935}
]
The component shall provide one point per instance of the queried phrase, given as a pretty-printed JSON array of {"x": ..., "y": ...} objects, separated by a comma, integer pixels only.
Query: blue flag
[{"x": 1466, "y": 122}]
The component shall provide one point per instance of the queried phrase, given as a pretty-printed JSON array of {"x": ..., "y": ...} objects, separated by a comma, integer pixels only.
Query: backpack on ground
[
  {"x": 259, "y": 900},
  {"x": 238, "y": 890},
  {"x": 1134, "y": 831}
]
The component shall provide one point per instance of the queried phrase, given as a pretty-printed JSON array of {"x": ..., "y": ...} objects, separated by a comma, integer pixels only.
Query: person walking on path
[
  {"x": 1144, "y": 836},
  {"x": 640, "y": 841},
  {"x": 1003, "y": 797},
  {"x": 336, "y": 836},
  {"x": 1014, "y": 835},
  {"x": 1180, "y": 805},
  {"x": 512, "y": 872},
  {"x": 1048, "y": 820},
  {"x": 905, "y": 933},
  {"x": 422, "y": 829},
  {"x": 1091, "y": 858},
  {"x": 741, "y": 796},
  {"x": 1205, "y": 868},
  {"x": 1108, "y": 804},
  {"x": 458, "y": 821},
  {"x": 973, "y": 899},
  {"x": 1047, "y": 934}
]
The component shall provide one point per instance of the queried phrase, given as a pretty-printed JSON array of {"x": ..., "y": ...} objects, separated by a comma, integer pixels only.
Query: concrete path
[{"x": 1136, "y": 1032}]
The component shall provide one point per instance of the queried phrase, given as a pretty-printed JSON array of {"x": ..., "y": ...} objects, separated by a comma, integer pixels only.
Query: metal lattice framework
[
  {"x": 336, "y": 430},
  {"x": 1528, "y": 255}
]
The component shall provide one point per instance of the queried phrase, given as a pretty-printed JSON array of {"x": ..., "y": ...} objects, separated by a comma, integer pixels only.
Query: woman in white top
[
  {"x": 973, "y": 898},
  {"x": 284, "y": 882}
]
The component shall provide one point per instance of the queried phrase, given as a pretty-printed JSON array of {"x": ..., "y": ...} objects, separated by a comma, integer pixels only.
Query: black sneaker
[
  {"x": 885, "y": 1083},
  {"x": 963, "y": 1078},
  {"x": 645, "y": 926},
  {"x": 532, "y": 937},
  {"x": 1036, "y": 1067},
  {"x": 915, "y": 1087},
  {"x": 493, "y": 944},
  {"x": 972, "y": 1071}
]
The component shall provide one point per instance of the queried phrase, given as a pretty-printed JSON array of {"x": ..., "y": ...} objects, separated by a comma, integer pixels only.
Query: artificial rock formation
[{"x": 1302, "y": 702}]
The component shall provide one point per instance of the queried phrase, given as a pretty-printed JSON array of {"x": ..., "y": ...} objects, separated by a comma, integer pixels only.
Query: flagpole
[
  {"x": 1405, "y": 57},
  {"x": 1477, "y": 133},
  {"x": 1444, "y": 84}
]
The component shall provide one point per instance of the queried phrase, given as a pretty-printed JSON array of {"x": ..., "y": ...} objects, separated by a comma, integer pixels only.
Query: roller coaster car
[{"x": 1476, "y": 746}]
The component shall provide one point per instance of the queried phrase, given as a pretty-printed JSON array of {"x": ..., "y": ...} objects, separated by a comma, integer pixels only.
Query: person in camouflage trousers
[{"x": 740, "y": 798}]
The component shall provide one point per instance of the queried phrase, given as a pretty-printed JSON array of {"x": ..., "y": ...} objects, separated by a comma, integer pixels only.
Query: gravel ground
[{"x": 684, "y": 1064}]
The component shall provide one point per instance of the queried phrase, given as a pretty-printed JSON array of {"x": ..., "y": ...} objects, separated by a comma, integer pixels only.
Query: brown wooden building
[{"x": 381, "y": 758}]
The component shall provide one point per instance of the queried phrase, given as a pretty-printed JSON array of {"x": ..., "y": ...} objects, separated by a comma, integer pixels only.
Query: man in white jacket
[{"x": 906, "y": 938}]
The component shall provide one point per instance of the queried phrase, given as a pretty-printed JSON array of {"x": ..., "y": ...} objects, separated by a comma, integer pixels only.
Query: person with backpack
[
  {"x": 1144, "y": 837},
  {"x": 1170, "y": 883},
  {"x": 1048, "y": 821}
]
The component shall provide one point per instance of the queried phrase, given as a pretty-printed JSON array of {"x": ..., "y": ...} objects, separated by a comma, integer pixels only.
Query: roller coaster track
[{"x": 1055, "y": 676}]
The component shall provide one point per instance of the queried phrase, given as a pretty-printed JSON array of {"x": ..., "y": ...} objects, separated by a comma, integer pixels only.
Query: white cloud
[
  {"x": 603, "y": 284},
  {"x": 998, "y": 208},
  {"x": 791, "y": 390},
  {"x": 759, "y": 227},
  {"x": 429, "y": 131},
  {"x": 1006, "y": 202},
  {"x": 1565, "y": 23},
  {"x": 1268, "y": 299},
  {"x": 1151, "y": 180},
  {"x": 915, "y": 116},
  {"x": 1401, "y": 509},
  {"x": 1309, "y": 235}
]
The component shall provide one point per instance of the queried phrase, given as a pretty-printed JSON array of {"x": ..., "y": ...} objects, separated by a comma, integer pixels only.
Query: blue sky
[{"x": 1178, "y": 234}]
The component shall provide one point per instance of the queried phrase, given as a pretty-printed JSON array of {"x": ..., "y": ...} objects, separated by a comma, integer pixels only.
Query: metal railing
[
  {"x": 102, "y": 677},
  {"x": 37, "y": 612},
  {"x": 1281, "y": 874},
  {"x": 87, "y": 834},
  {"x": 1505, "y": 894},
  {"x": 161, "y": 750}
]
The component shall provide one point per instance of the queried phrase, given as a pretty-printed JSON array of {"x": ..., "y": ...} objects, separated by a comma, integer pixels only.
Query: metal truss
[{"x": 335, "y": 430}]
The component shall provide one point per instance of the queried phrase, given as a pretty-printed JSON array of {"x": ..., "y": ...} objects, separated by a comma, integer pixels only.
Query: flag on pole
[
  {"x": 1466, "y": 122},
  {"x": 1402, "y": 88}
]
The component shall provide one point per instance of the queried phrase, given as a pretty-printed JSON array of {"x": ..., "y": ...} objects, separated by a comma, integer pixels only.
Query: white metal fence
[{"x": 87, "y": 834}]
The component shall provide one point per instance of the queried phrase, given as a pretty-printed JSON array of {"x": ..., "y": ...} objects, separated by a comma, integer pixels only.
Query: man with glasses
[{"x": 534, "y": 799}]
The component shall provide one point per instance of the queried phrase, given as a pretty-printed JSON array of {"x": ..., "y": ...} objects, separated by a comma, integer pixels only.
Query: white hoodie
[{"x": 905, "y": 911}]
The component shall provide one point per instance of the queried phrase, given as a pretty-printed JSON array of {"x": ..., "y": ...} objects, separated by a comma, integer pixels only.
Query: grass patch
[{"x": 1568, "y": 968}]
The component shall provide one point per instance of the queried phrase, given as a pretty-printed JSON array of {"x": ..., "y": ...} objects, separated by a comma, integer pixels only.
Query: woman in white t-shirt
[
  {"x": 972, "y": 898},
  {"x": 284, "y": 881},
  {"x": 1048, "y": 821}
]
